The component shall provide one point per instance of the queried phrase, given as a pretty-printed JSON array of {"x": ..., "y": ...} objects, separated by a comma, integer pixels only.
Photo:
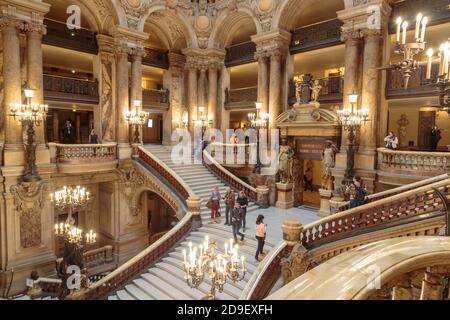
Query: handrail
[
  {"x": 82, "y": 152},
  {"x": 408, "y": 203},
  {"x": 167, "y": 173},
  {"x": 227, "y": 176},
  {"x": 144, "y": 259},
  {"x": 413, "y": 161},
  {"x": 264, "y": 273},
  {"x": 407, "y": 187}
]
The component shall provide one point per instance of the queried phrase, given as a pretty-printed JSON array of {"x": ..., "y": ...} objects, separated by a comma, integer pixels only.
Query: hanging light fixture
[{"x": 443, "y": 78}]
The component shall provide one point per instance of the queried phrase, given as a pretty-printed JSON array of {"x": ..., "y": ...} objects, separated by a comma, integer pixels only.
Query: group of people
[
  {"x": 392, "y": 142},
  {"x": 235, "y": 216},
  {"x": 69, "y": 133}
]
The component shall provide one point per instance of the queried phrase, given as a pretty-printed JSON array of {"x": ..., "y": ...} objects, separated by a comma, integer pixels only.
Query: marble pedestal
[
  {"x": 285, "y": 196},
  {"x": 263, "y": 196},
  {"x": 325, "y": 197}
]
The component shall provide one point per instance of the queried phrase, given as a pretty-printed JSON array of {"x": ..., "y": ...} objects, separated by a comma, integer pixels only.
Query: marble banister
[
  {"x": 404, "y": 205},
  {"x": 390, "y": 192},
  {"x": 227, "y": 176},
  {"x": 82, "y": 153},
  {"x": 414, "y": 162},
  {"x": 378, "y": 266}
]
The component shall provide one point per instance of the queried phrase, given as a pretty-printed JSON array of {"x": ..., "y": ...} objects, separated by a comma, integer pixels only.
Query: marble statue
[
  {"x": 328, "y": 162},
  {"x": 286, "y": 164},
  {"x": 315, "y": 90},
  {"x": 403, "y": 123}
]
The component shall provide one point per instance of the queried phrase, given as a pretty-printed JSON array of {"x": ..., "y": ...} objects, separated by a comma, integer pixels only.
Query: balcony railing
[
  {"x": 241, "y": 98},
  {"x": 414, "y": 162},
  {"x": 156, "y": 58},
  {"x": 155, "y": 98},
  {"x": 82, "y": 153},
  {"x": 332, "y": 90},
  {"x": 60, "y": 36},
  {"x": 57, "y": 88},
  {"x": 418, "y": 85},
  {"x": 316, "y": 36},
  {"x": 240, "y": 54}
]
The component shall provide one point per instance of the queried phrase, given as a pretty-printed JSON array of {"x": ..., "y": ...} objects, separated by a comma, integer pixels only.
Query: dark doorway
[{"x": 427, "y": 120}]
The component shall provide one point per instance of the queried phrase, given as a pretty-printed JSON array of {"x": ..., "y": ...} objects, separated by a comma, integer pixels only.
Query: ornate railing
[
  {"x": 240, "y": 54},
  {"x": 265, "y": 275},
  {"x": 332, "y": 90},
  {"x": 414, "y": 162},
  {"x": 165, "y": 172},
  {"x": 155, "y": 98},
  {"x": 316, "y": 36},
  {"x": 57, "y": 88},
  {"x": 408, "y": 204},
  {"x": 418, "y": 85},
  {"x": 132, "y": 268},
  {"x": 226, "y": 176},
  {"x": 157, "y": 236},
  {"x": 59, "y": 35},
  {"x": 394, "y": 191},
  {"x": 82, "y": 153},
  {"x": 156, "y": 58},
  {"x": 242, "y": 97}
]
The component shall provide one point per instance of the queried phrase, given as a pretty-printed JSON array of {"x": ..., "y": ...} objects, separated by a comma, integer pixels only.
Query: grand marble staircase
[{"x": 165, "y": 280}]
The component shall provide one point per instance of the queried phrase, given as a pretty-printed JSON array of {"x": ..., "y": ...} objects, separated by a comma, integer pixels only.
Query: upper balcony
[
  {"x": 60, "y": 36},
  {"x": 57, "y": 88},
  {"x": 241, "y": 98},
  {"x": 158, "y": 99},
  {"x": 240, "y": 54},
  {"x": 418, "y": 85},
  {"x": 156, "y": 58}
]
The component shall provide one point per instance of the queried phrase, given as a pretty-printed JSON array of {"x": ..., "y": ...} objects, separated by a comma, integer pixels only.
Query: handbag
[{"x": 209, "y": 204}]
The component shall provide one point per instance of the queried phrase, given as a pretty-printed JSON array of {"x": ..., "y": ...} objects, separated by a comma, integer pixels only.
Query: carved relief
[
  {"x": 134, "y": 10},
  {"x": 108, "y": 118},
  {"x": 298, "y": 262},
  {"x": 29, "y": 202}
]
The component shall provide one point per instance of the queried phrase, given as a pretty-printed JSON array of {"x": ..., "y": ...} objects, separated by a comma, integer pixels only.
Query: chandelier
[
  {"x": 137, "y": 119},
  {"x": 70, "y": 198},
  {"x": 30, "y": 115},
  {"x": 408, "y": 50},
  {"x": 443, "y": 79},
  {"x": 204, "y": 261}
]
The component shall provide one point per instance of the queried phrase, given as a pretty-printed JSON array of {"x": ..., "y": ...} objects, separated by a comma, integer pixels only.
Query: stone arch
[
  {"x": 287, "y": 13},
  {"x": 177, "y": 32},
  {"x": 227, "y": 24}
]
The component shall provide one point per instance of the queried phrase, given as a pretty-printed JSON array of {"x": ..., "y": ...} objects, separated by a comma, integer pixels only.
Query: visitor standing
[
  {"x": 391, "y": 141},
  {"x": 308, "y": 179},
  {"x": 243, "y": 203},
  {"x": 214, "y": 203},
  {"x": 359, "y": 193},
  {"x": 435, "y": 137},
  {"x": 261, "y": 231},
  {"x": 93, "y": 137},
  {"x": 236, "y": 222},
  {"x": 68, "y": 133},
  {"x": 230, "y": 200}
]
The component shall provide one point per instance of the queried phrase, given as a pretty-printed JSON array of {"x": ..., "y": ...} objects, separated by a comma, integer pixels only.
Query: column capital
[
  {"x": 35, "y": 28},
  {"x": 274, "y": 43},
  {"x": 137, "y": 53},
  {"x": 371, "y": 34},
  {"x": 11, "y": 23},
  {"x": 351, "y": 36}
]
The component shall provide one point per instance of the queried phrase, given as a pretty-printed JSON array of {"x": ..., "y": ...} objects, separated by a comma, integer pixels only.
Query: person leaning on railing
[{"x": 357, "y": 191}]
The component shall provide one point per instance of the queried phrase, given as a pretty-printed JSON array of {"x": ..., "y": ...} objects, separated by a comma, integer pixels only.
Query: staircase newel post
[
  {"x": 291, "y": 232},
  {"x": 193, "y": 204}
]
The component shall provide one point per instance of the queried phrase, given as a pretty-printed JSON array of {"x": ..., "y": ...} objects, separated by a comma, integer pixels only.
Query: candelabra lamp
[
  {"x": 204, "y": 121},
  {"x": 351, "y": 121},
  {"x": 258, "y": 121},
  {"x": 205, "y": 261},
  {"x": 443, "y": 79},
  {"x": 408, "y": 50},
  {"x": 75, "y": 241},
  {"x": 137, "y": 119},
  {"x": 30, "y": 115}
]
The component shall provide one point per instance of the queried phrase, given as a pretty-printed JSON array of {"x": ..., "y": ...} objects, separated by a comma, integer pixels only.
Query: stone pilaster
[
  {"x": 192, "y": 92},
  {"x": 122, "y": 101},
  {"x": 136, "y": 74},
  {"x": 13, "y": 149},
  {"x": 432, "y": 285},
  {"x": 212, "y": 93},
  {"x": 202, "y": 87},
  {"x": 263, "y": 81},
  {"x": 34, "y": 33}
]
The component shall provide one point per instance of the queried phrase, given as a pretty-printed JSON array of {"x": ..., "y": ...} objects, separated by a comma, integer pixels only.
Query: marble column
[
  {"x": 136, "y": 81},
  {"x": 55, "y": 126},
  {"x": 432, "y": 286},
  {"x": 263, "y": 82},
  {"x": 193, "y": 102},
  {"x": 13, "y": 151},
  {"x": 275, "y": 105},
  {"x": 212, "y": 94},
  {"x": 122, "y": 102},
  {"x": 370, "y": 97},
  {"x": 353, "y": 46}
]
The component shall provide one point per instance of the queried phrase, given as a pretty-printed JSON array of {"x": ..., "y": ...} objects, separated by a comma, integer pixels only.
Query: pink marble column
[
  {"x": 193, "y": 102},
  {"x": 122, "y": 95},
  {"x": 263, "y": 82},
  {"x": 275, "y": 87}
]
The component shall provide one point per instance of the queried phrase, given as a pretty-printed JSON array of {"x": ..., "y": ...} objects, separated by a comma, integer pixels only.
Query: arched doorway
[{"x": 160, "y": 215}]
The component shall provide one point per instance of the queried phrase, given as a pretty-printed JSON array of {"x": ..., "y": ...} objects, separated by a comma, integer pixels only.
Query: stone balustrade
[
  {"x": 65, "y": 89},
  {"x": 155, "y": 98},
  {"x": 414, "y": 162},
  {"x": 82, "y": 153},
  {"x": 241, "y": 98}
]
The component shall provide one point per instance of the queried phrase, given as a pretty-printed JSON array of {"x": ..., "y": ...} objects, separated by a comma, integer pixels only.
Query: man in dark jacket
[
  {"x": 230, "y": 200},
  {"x": 236, "y": 221},
  {"x": 243, "y": 204},
  {"x": 435, "y": 138}
]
